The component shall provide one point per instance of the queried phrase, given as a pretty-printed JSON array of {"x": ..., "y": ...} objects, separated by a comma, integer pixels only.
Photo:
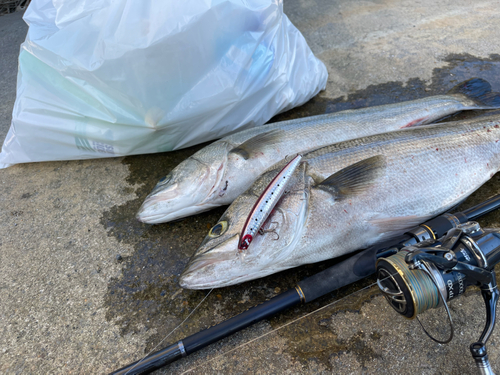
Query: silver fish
[
  {"x": 350, "y": 195},
  {"x": 218, "y": 173}
]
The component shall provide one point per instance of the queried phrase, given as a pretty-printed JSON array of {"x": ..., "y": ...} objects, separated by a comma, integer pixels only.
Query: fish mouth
[
  {"x": 176, "y": 196},
  {"x": 194, "y": 277},
  {"x": 187, "y": 283},
  {"x": 146, "y": 216},
  {"x": 211, "y": 265}
]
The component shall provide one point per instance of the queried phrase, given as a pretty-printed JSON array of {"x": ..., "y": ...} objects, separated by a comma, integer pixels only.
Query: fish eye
[
  {"x": 218, "y": 229},
  {"x": 164, "y": 179}
]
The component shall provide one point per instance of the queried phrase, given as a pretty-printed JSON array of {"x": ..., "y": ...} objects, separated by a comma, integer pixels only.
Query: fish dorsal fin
[
  {"x": 355, "y": 178},
  {"x": 252, "y": 146}
]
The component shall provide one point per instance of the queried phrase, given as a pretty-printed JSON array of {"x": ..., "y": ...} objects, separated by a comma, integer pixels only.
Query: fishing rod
[{"x": 355, "y": 268}]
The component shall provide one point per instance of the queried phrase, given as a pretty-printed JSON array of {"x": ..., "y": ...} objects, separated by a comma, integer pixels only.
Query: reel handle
[
  {"x": 478, "y": 350},
  {"x": 490, "y": 296},
  {"x": 465, "y": 256}
]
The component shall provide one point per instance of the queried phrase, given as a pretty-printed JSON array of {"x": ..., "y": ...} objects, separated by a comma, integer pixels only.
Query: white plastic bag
[{"x": 101, "y": 78}]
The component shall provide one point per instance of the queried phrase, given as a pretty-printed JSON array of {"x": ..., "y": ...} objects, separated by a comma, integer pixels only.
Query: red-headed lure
[{"x": 266, "y": 203}]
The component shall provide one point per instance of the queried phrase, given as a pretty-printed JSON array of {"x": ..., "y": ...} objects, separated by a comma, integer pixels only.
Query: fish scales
[
  {"x": 350, "y": 195},
  {"x": 218, "y": 173},
  {"x": 446, "y": 163},
  {"x": 350, "y": 122}
]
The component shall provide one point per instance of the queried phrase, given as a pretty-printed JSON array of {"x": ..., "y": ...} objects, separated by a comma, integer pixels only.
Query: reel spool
[
  {"x": 433, "y": 272},
  {"x": 409, "y": 292}
]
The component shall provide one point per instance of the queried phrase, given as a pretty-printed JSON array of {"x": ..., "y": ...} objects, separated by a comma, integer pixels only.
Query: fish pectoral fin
[
  {"x": 355, "y": 178},
  {"x": 253, "y": 146}
]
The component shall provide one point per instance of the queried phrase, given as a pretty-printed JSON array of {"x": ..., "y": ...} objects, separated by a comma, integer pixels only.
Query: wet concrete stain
[{"x": 147, "y": 295}]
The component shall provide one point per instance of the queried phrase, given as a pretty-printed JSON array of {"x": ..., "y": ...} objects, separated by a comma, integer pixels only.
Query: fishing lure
[{"x": 266, "y": 203}]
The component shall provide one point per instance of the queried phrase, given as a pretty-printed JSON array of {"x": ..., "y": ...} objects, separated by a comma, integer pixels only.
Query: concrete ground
[{"x": 85, "y": 288}]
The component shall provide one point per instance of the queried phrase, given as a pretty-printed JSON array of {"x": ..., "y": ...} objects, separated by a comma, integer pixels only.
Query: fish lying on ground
[
  {"x": 350, "y": 195},
  {"x": 218, "y": 173}
]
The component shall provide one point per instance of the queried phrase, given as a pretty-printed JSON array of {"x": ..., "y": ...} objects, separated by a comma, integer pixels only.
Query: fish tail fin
[
  {"x": 489, "y": 100},
  {"x": 479, "y": 92}
]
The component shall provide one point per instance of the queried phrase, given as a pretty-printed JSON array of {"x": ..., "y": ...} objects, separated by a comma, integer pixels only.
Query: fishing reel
[{"x": 432, "y": 272}]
